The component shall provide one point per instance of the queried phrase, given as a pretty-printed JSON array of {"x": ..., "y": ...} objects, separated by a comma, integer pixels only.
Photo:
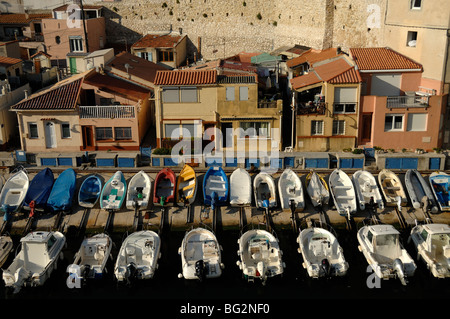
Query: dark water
[{"x": 294, "y": 287}]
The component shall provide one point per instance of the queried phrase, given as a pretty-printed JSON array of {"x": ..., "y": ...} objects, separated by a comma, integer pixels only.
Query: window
[
  {"x": 76, "y": 44},
  {"x": 165, "y": 56},
  {"x": 33, "y": 130},
  {"x": 58, "y": 39},
  {"x": 411, "y": 40},
  {"x": 393, "y": 122},
  {"x": 417, "y": 122},
  {"x": 424, "y": 235},
  {"x": 122, "y": 133},
  {"x": 145, "y": 55},
  {"x": 341, "y": 108},
  {"x": 230, "y": 93},
  {"x": 177, "y": 95},
  {"x": 255, "y": 129},
  {"x": 188, "y": 94},
  {"x": 170, "y": 129},
  {"x": 243, "y": 93},
  {"x": 345, "y": 99},
  {"x": 103, "y": 133},
  {"x": 316, "y": 127},
  {"x": 65, "y": 130},
  {"x": 170, "y": 95},
  {"x": 416, "y": 4},
  {"x": 338, "y": 127}
]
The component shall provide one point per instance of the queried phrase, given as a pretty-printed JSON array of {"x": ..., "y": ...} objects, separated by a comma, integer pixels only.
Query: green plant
[
  {"x": 377, "y": 148},
  {"x": 437, "y": 149},
  {"x": 347, "y": 149},
  {"x": 162, "y": 151},
  {"x": 358, "y": 151},
  {"x": 403, "y": 150}
]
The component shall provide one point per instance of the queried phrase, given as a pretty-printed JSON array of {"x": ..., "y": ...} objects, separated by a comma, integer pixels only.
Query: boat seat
[
  {"x": 188, "y": 187},
  {"x": 394, "y": 188},
  {"x": 216, "y": 189},
  {"x": 188, "y": 176},
  {"x": 342, "y": 187},
  {"x": 345, "y": 197}
]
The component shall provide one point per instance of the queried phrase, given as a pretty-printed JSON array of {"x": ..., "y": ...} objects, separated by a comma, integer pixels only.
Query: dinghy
[
  {"x": 138, "y": 191},
  {"x": 382, "y": 249},
  {"x": 39, "y": 191},
  {"x": 366, "y": 189},
  {"x": 343, "y": 193},
  {"x": 13, "y": 193},
  {"x": 440, "y": 182},
  {"x": 60, "y": 198},
  {"x": 138, "y": 256},
  {"x": 392, "y": 188},
  {"x": 6, "y": 246},
  {"x": 90, "y": 191},
  {"x": 419, "y": 191},
  {"x": 200, "y": 255},
  {"x": 240, "y": 188},
  {"x": 164, "y": 188},
  {"x": 186, "y": 186},
  {"x": 259, "y": 255},
  {"x": 113, "y": 192},
  {"x": 432, "y": 243},
  {"x": 215, "y": 187},
  {"x": 291, "y": 191},
  {"x": 317, "y": 189},
  {"x": 322, "y": 254},
  {"x": 38, "y": 257},
  {"x": 265, "y": 191},
  {"x": 90, "y": 260}
]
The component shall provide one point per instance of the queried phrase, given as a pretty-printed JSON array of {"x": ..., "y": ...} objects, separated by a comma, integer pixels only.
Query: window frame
[
  {"x": 413, "y": 5},
  {"x": 123, "y": 130},
  {"x": 104, "y": 129},
  {"x": 257, "y": 126},
  {"x": 76, "y": 40},
  {"x": 68, "y": 130},
  {"x": 30, "y": 135},
  {"x": 338, "y": 127},
  {"x": 410, "y": 37},
  {"x": 314, "y": 127},
  {"x": 393, "y": 129}
]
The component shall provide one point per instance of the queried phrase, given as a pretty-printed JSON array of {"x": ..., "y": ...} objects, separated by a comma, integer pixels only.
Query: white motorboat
[
  {"x": 13, "y": 192},
  {"x": 138, "y": 256},
  {"x": 440, "y": 186},
  {"x": 418, "y": 191},
  {"x": 383, "y": 251},
  {"x": 138, "y": 191},
  {"x": 317, "y": 189},
  {"x": 38, "y": 257},
  {"x": 201, "y": 256},
  {"x": 260, "y": 255},
  {"x": 90, "y": 260},
  {"x": 392, "y": 189},
  {"x": 265, "y": 191},
  {"x": 240, "y": 188},
  {"x": 291, "y": 190},
  {"x": 114, "y": 192},
  {"x": 6, "y": 246},
  {"x": 322, "y": 254},
  {"x": 432, "y": 243},
  {"x": 343, "y": 192},
  {"x": 367, "y": 190}
]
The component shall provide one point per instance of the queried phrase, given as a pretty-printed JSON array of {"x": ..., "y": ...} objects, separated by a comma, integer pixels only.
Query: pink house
[{"x": 396, "y": 112}]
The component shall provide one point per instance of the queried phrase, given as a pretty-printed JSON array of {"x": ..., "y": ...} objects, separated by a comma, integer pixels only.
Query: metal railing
[
  {"x": 107, "y": 112},
  {"x": 407, "y": 101},
  {"x": 313, "y": 108}
]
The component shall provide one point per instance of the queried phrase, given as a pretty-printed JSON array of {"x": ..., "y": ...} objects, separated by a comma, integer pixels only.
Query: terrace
[{"x": 107, "y": 112}]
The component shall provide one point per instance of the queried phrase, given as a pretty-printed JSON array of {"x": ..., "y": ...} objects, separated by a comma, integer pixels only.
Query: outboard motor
[
  {"x": 400, "y": 271},
  {"x": 214, "y": 198},
  {"x": 132, "y": 272},
  {"x": 162, "y": 200},
  {"x": 200, "y": 269},
  {"x": 325, "y": 265},
  {"x": 86, "y": 271},
  {"x": 6, "y": 209}
]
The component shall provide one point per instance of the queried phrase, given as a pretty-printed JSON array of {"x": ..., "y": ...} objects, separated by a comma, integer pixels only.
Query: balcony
[
  {"x": 311, "y": 108},
  {"x": 107, "y": 112},
  {"x": 407, "y": 101}
]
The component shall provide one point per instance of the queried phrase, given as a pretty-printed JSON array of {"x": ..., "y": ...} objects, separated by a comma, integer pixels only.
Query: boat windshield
[
  {"x": 51, "y": 241},
  {"x": 440, "y": 239},
  {"x": 387, "y": 240}
]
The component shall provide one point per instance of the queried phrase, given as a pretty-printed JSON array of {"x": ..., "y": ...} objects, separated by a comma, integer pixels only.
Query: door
[
  {"x": 227, "y": 134},
  {"x": 366, "y": 135},
  {"x": 73, "y": 65},
  {"x": 88, "y": 137},
  {"x": 50, "y": 135}
]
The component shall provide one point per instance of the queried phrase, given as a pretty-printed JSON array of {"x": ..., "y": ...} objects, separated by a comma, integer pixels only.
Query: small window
[
  {"x": 65, "y": 130},
  {"x": 416, "y": 4},
  {"x": 33, "y": 130},
  {"x": 255, "y": 129},
  {"x": 393, "y": 122},
  {"x": 316, "y": 127},
  {"x": 338, "y": 127},
  {"x": 417, "y": 122},
  {"x": 188, "y": 94},
  {"x": 243, "y": 93},
  {"x": 76, "y": 44},
  {"x": 424, "y": 235},
  {"x": 411, "y": 39},
  {"x": 170, "y": 95},
  {"x": 165, "y": 56},
  {"x": 230, "y": 93},
  {"x": 122, "y": 133},
  {"x": 169, "y": 129},
  {"x": 58, "y": 39},
  {"x": 103, "y": 133}
]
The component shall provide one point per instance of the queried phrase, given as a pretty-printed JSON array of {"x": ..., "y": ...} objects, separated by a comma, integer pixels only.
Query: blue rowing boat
[
  {"x": 39, "y": 191},
  {"x": 90, "y": 191},
  {"x": 215, "y": 187},
  {"x": 61, "y": 196}
]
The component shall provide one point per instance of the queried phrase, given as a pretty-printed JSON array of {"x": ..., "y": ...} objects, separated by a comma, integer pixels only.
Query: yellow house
[{"x": 327, "y": 106}]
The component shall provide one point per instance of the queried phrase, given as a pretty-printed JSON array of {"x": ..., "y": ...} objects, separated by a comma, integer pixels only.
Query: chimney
[{"x": 26, "y": 94}]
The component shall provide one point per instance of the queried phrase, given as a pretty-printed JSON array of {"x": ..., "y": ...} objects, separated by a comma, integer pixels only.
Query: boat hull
[
  {"x": 290, "y": 189},
  {"x": 13, "y": 192},
  {"x": 215, "y": 187},
  {"x": 138, "y": 191},
  {"x": 317, "y": 189},
  {"x": 343, "y": 192},
  {"x": 39, "y": 190},
  {"x": 418, "y": 189},
  {"x": 186, "y": 186},
  {"x": 164, "y": 188},
  {"x": 366, "y": 188},
  {"x": 265, "y": 191},
  {"x": 392, "y": 188},
  {"x": 90, "y": 191},
  {"x": 240, "y": 188},
  {"x": 114, "y": 192},
  {"x": 440, "y": 182},
  {"x": 61, "y": 196}
]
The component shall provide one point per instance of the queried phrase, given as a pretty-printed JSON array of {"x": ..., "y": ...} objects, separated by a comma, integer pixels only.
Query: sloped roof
[
  {"x": 158, "y": 41},
  {"x": 349, "y": 76},
  {"x": 22, "y": 18},
  {"x": 312, "y": 56},
  {"x": 382, "y": 59},
  {"x": 188, "y": 77},
  {"x": 7, "y": 61}
]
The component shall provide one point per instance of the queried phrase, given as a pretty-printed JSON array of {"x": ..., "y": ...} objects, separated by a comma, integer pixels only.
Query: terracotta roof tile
[
  {"x": 382, "y": 59},
  {"x": 188, "y": 77},
  {"x": 9, "y": 61},
  {"x": 22, "y": 18},
  {"x": 349, "y": 76},
  {"x": 158, "y": 41},
  {"x": 305, "y": 80},
  {"x": 312, "y": 56}
]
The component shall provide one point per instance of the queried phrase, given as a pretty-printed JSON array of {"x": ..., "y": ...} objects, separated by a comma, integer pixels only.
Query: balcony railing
[
  {"x": 311, "y": 108},
  {"x": 407, "y": 101},
  {"x": 107, "y": 112}
]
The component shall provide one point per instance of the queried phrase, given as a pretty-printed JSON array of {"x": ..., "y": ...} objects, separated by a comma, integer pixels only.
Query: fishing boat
[
  {"x": 138, "y": 191},
  {"x": 392, "y": 188},
  {"x": 200, "y": 255},
  {"x": 343, "y": 192},
  {"x": 240, "y": 188},
  {"x": 418, "y": 191},
  {"x": 90, "y": 191},
  {"x": 317, "y": 189},
  {"x": 432, "y": 243},
  {"x": 38, "y": 191},
  {"x": 138, "y": 256},
  {"x": 366, "y": 189},
  {"x": 6, "y": 246},
  {"x": 164, "y": 188},
  {"x": 322, "y": 254},
  {"x": 90, "y": 260},
  {"x": 440, "y": 182},
  {"x": 114, "y": 192},
  {"x": 215, "y": 187},
  {"x": 382, "y": 249},
  {"x": 60, "y": 198},
  {"x": 259, "y": 255},
  {"x": 186, "y": 186},
  {"x": 291, "y": 191},
  {"x": 265, "y": 191},
  {"x": 38, "y": 257},
  {"x": 13, "y": 193}
]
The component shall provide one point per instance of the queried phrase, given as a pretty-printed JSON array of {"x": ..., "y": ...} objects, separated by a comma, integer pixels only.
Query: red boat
[{"x": 164, "y": 189}]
